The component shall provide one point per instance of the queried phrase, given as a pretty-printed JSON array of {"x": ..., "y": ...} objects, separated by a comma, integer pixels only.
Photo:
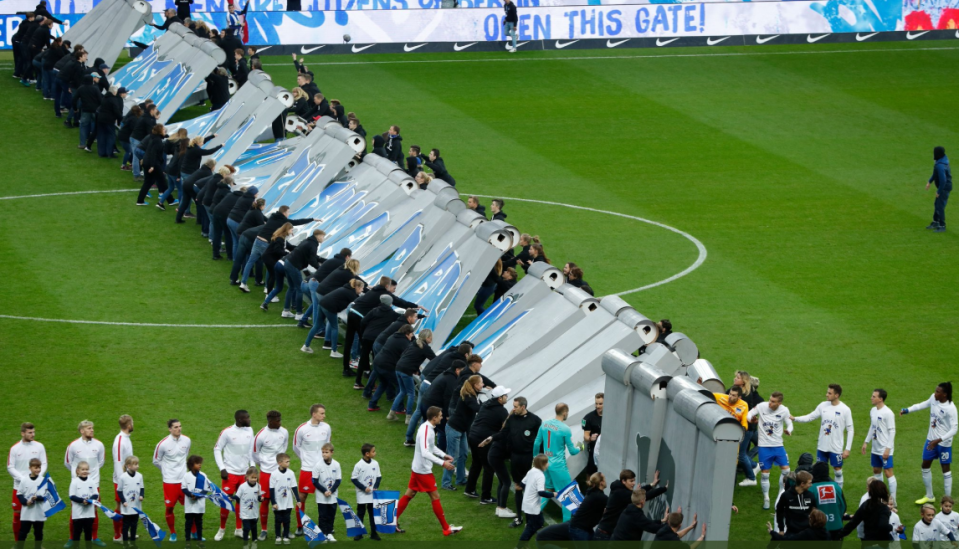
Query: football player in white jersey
[
  {"x": 308, "y": 441},
  {"x": 942, "y": 428},
  {"x": 233, "y": 459},
  {"x": 122, "y": 449},
  {"x": 271, "y": 441},
  {"x": 170, "y": 457},
  {"x": 18, "y": 465},
  {"x": 835, "y": 417},
  {"x": 773, "y": 419},
  {"x": 882, "y": 434}
]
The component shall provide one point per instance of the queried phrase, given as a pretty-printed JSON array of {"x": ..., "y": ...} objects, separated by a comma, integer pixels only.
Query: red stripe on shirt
[
  {"x": 156, "y": 453},
  {"x": 297, "y": 432}
]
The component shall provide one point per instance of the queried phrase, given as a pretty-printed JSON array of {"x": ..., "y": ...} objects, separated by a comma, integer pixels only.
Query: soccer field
[{"x": 799, "y": 169}]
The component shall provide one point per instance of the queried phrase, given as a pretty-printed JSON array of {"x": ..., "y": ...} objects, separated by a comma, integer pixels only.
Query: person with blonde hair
[
  {"x": 130, "y": 493},
  {"x": 407, "y": 369},
  {"x": 463, "y": 408},
  {"x": 89, "y": 450},
  {"x": 747, "y": 385},
  {"x": 331, "y": 305}
]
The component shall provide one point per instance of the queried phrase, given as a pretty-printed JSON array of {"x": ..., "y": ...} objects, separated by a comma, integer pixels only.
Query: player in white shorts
[{"x": 834, "y": 418}]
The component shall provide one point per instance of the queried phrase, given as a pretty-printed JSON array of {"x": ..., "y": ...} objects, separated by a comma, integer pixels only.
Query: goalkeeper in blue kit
[{"x": 554, "y": 437}]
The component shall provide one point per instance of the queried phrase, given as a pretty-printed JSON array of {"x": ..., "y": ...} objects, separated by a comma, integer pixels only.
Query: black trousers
[
  {"x": 130, "y": 527},
  {"x": 83, "y": 526},
  {"x": 281, "y": 523},
  {"x": 352, "y": 328},
  {"x": 193, "y": 523},
  {"x": 249, "y": 528},
  {"x": 519, "y": 465},
  {"x": 189, "y": 195},
  {"x": 366, "y": 348},
  {"x": 480, "y": 463},
  {"x": 37, "y": 527},
  {"x": 156, "y": 177},
  {"x": 326, "y": 517},
  {"x": 497, "y": 460},
  {"x": 361, "y": 510}
]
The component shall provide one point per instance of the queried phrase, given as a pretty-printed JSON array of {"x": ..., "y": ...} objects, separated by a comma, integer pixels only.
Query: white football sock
[
  {"x": 839, "y": 477},
  {"x": 947, "y": 480},
  {"x": 764, "y": 482},
  {"x": 892, "y": 487},
  {"x": 927, "y": 480}
]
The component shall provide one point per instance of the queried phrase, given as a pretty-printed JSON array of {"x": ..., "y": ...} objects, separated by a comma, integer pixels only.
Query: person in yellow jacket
[{"x": 734, "y": 404}]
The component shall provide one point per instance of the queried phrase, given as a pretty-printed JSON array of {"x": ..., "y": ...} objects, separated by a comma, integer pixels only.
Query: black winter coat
[
  {"x": 225, "y": 205},
  {"x": 413, "y": 357},
  {"x": 391, "y": 352},
  {"x": 193, "y": 156},
  {"x": 143, "y": 127},
  {"x": 372, "y": 298},
  {"x": 337, "y": 279},
  {"x": 126, "y": 127},
  {"x": 590, "y": 511},
  {"x": 376, "y": 321},
  {"x": 328, "y": 267},
  {"x": 488, "y": 421},
  {"x": 253, "y": 218},
  {"x": 242, "y": 207},
  {"x": 632, "y": 524},
  {"x": 338, "y": 300},
  {"x": 305, "y": 254},
  {"x": 111, "y": 109},
  {"x": 462, "y": 412},
  {"x": 153, "y": 157},
  {"x": 218, "y": 90},
  {"x": 276, "y": 221}
]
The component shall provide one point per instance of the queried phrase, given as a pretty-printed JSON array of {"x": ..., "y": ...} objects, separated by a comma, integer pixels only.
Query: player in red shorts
[
  {"x": 308, "y": 441},
  {"x": 122, "y": 449},
  {"x": 232, "y": 454},
  {"x": 170, "y": 457},
  {"x": 272, "y": 440},
  {"x": 422, "y": 479}
]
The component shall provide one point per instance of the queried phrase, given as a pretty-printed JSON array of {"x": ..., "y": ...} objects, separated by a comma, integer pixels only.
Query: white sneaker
[
  {"x": 219, "y": 534},
  {"x": 505, "y": 513},
  {"x": 287, "y": 314},
  {"x": 299, "y": 316},
  {"x": 766, "y": 503},
  {"x": 266, "y": 291},
  {"x": 452, "y": 530},
  {"x": 275, "y": 299},
  {"x": 286, "y": 541},
  {"x": 118, "y": 540},
  {"x": 279, "y": 541},
  {"x": 252, "y": 543},
  {"x": 747, "y": 482},
  {"x": 334, "y": 354},
  {"x": 308, "y": 350},
  {"x": 238, "y": 533},
  {"x": 245, "y": 288},
  {"x": 330, "y": 538},
  {"x": 262, "y": 535}
]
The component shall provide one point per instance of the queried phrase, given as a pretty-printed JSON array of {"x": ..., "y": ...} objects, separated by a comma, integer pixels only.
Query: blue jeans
[
  {"x": 576, "y": 534},
  {"x": 259, "y": 247},
  {"x": 88, "y": 125},
  {"x": 939, "y": 213},
  {"x": 294, "y": 299},
  {"x": 407, "y": 389},
  {"x": 419, "y": 413},
  {"x": 279, "y": 274},
  {"x": 511, "y": 31},
  {"x": 106, "y": 139},
  {"x": 457, "y": 447},
  {"x": 308, "y": 289},
  {"x": 48, "y": 83},
  {"x": 387, "y": 379},
  {"x": 137, "y": 171},
  {"x": 66, "y": 99},
  {"x": 233, "y": 227},
  {"x": 127, "y": 153},
  {"x": 172, "y": 182},
  {"x": 331, "y": 327},
  {"x": 58, "y": 89},
  {"x": 745, "y": 461},
  {"x": 240, "y": 257},
  {"x": 482, "y": 296}
]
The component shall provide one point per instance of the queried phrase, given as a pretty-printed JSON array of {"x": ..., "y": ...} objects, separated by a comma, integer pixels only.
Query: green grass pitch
[{"x": 801, "y": 169}]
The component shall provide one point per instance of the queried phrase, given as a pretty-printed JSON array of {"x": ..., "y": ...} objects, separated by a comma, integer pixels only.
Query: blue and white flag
[
  {"x": 219, "y": 497},
  {"x": 110, "y": 514},
  {"x": 314, "y": 536},
  {"x": 354, "y": 526},
  {"x": 156, "y": 533},
  {"x": 52, "y": 500},
  {"x": 384, "y": 510},
  {"x": 570, "y": 497}
]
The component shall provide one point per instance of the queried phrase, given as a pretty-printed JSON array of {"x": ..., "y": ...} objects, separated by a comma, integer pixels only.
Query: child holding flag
[
  {"x": 130, "y": 491},
  {"x": 366, "y": 477},
  {"x": 283, "y": 497},
  {"x": 327, "y": 477},
  {"x": 195, "y": 485},
  {"x": 534, "y": 488},
  {"x": 31, "y": 494},
  {"x": 83, "y": 493},
  {"x": 247, "y": 498}
]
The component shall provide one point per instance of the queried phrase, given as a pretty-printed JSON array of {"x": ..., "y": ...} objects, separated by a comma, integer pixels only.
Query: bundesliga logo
[{"x": 827, "y": 494}]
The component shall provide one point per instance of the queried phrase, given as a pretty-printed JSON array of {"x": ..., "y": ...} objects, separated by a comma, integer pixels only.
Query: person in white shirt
[
  {"x": 233, "y": 459},
  {"x": 130, "y": 490},
  {"x": 882, "y": 433},
  {"x": 31, "y": 493},
  {"x": 947, "y": 517},
  {"x": 327, "y": 477},
  {"x": 774, "y": 420},
  {"x": 193, "y": 486},
  {"x": 283, "y": 497},
  {"x": 247, "y": 499},
  {"x": 534, "y": 488},
  {"x": 943, "y": 421},
  {"x": 88, "y": 449},
  {"x": 122, "y": 449},
  {"x": 170, "y": 457},
  {"x": 84, "y": 494},
  {"x": 929, "y": 529},
  {"x": 308, "y": 441},
  {"x": 18, "y": 465},
  {"x": 366, "y": 477},
  {"x": 425, "y": 456},
  {"x": 897, "y": 527},
  {"x": 271, "y": 441},
  {"x": 835, "y": 417}
]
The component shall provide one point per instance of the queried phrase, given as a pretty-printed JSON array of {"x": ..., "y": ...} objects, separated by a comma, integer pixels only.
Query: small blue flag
[
  {"x": 354, "y": 527},
  {"x": 384, "y": 510},
  {"x": 219, "y": 497},
  {"x": 156, "y": 533},
  {"x": 117, "y": 517},
  {"x": 570, "y": 497},
  {"x": 314, "y": 536},
  {"x": 52, "y": 500}
]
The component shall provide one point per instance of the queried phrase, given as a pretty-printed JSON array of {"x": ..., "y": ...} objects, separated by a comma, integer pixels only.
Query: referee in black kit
[{"x": 592, "y": 428}]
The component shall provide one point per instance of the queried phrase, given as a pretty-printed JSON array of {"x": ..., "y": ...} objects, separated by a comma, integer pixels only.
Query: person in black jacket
[
  {"x": 191, "y": 191},
  {"x": 373, "y": 324},
  {"x": 275, "y": 221},
  {"x": 378, "y": 146},
  {"x": 88, "y": 98},
  {"x": 496, "y": 206},
  {"x": 414, "y": 163},
  {"x": 633, "y": 522},
  {"x": 488, "y": 421},
  {"x": 793, "y": 505},
  {"x": 362, "y": 306},
  {"x": 250, "y": 225},
  {"x": 123, "y": 136},
  {"x": 241, "y": 72},
  {"x": 443, "y": 361},
  {"x": 39, "y": 40},
  {"x": 873, "y": 514},
  {"x": 276, "y": 250},
  {"x": 320, "y": 108},
  {"x": 394, "y": 146},
  {"x": 385, "y": 363},
  {"x": 816, "y": 531},
  {"x": 673, "y": 529},
  {"x": 303, "y": 256},
  {"x": 222, "y": 204},
  {"x": 435, "y": 163},
  {"x": 218, "y": 88},
  {"x": 305, "y": 82},
  {"x": 474, "y": 363},
  {"x": 408, "y": 367},
  {"x": 473, "y": 203},
  {"x": 504, "y": 283},
  {"x": 194, "y": 154},
  {"x": 54, "y": 53},
  {"x": 338, "y": 278},
  {"x": 171, "y": 18},
  {"x": 379, "y": 342},
  {"x": 590, "y": 511},
  {"x": 331, "y": 305},
  {"x": 142, "y": 128},
  {"x": 109, "y": 114},
  {"x": 183, "y": 9},
  {"x": 463, "y": 407},
  {"x": 514, "y": 441},
  {"x": 153, "y": 165},
  {"x": 620, "y": 497},
  {"x": 439, "y": 394},
  {"x": 237, "y": 212},
  {"x": 488, "y": 288},
  {"x": 311, "y": 287},
  {"x": 510, "y": 23},
  {"x": 71, "y": 77}
]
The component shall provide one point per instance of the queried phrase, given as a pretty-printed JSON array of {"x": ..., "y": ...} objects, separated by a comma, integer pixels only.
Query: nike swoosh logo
[
  {"x": 521, "y": 44},
  {"x": 611, "y": 44},
  {"x": 305, "y": 50},
  {"x": 957, "y": 34},
  {"x": 560, "y": 45},
  {"x": 661, "y": 42},
  {"x": 457, "y": 47},
  {"x": 407, "y": 48},
  {"x": 761, "y": 40},
  {"x": 711, "y": 42},
  {"x": 358, "y": 50},
  {"x": 860, "y": 38},
  {"x": 811, "y": 40},
  {"x": 264, "y": 48},
  {"x": 911, "y": 36}
]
